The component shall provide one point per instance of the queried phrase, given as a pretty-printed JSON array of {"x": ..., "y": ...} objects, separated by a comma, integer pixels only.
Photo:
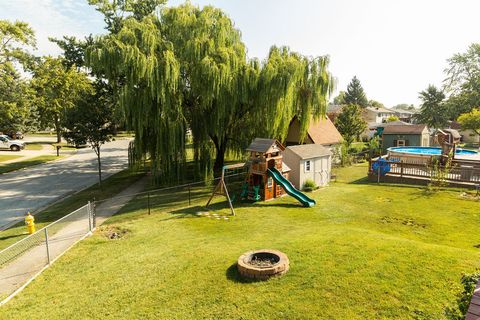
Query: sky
[{"x": 396, "y": 48}]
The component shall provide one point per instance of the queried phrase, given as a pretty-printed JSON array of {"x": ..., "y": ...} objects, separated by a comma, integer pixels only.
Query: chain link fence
[{"x": 24, "y": 259}]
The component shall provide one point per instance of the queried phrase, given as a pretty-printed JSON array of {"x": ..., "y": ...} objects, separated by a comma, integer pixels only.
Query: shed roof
[
  {"x": 405, "y": 129},
  {"x": 455, "y": 134},
  {"x": 265, "y": 145},
  {"x": 309, "y": 151}
]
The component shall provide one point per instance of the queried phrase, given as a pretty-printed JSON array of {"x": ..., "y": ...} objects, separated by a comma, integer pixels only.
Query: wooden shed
[{"x": 308, "y": 162}]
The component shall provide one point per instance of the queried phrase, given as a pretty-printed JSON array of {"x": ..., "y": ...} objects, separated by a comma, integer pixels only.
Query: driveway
[{"x": 33, "y": 188}]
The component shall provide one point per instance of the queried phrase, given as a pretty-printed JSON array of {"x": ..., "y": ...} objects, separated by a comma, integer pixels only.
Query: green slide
[{"x": 290, "y": 189}]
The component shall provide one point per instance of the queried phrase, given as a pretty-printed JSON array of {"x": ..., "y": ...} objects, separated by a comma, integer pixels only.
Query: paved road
[{"x": 33, "y": 188}]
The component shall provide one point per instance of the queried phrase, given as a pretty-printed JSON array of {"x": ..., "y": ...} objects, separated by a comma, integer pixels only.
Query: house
[
  {"x": 377, "y": 128},
  {"x": 322, "y": 132},
  {"x": 405, "y": 135},
  {"x": 308, "y": 162},
  {"x": 377, "y": 114},
  {"x": 405, "y": 115}
]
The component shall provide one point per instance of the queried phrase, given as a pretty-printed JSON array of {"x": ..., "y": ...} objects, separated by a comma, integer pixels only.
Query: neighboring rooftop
[
  {"x": 309, "y": 151},
  {"x": 380, "y": 110},
  {"x": 405, "y": 129},
  {"x": 265, "y": 145},
  {"x": 321, "y": 131}
]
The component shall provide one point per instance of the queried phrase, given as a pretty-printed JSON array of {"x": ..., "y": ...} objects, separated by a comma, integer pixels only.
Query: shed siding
[{"x": 389, "y": 140}]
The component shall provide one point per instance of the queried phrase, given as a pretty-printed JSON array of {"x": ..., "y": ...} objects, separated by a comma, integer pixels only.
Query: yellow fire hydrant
[{"x": 30, "y": 223}]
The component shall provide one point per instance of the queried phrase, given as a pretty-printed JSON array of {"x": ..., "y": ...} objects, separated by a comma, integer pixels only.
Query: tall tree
[
  {"x": 463, "y": 81},
  {"x": 340, "y": 99},
  {"x": 57, "y": 89},
  {"x": 404, "y": 106},
  {"x": 471, "y": 121},
  {"x": 16, "y": 109},
  {"x": 188, "y": 68},
  {"x": 91, "y": 121},
  {"x": 376, "y": 104},
  {"x": 350, "y": 123},
  {"x": 355, "y": 94},
  {"x": 433, "y": 111}
]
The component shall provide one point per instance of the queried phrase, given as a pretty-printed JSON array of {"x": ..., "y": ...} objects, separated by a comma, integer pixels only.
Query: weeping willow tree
[{"x": 188, "y": 68}]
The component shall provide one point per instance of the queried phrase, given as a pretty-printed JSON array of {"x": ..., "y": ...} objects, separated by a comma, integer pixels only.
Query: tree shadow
[{"x": 12, "y": 236}]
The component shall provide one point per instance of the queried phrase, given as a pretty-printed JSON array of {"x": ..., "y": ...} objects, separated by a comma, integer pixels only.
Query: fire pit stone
[{"x": 262, "y": 264}]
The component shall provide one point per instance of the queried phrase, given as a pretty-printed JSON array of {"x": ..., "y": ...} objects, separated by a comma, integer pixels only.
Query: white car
[{"x": 14, "y": 145}]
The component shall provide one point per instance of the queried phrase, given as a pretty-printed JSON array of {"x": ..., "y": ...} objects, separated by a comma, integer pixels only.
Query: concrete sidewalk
[{"x": 18, "y": 272}]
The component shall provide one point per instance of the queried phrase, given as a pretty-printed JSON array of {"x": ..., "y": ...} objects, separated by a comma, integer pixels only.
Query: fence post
[
  {"x": 401, "y": 168},
  {"x": 189, "y": 196},
  {"x": 94, "y": 213},
  {"x": 148, "y": 202},
  {"x": 90, "y": 216},
  {"x": 46, "y": 243}
]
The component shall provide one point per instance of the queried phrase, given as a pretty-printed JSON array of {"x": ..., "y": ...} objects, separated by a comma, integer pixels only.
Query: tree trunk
[
  {"x": 97, "y": 151},
  {"x": 219, "y": 158},
  {"x": 57, "y": 129},
  {"x": 220, "y": 148}
]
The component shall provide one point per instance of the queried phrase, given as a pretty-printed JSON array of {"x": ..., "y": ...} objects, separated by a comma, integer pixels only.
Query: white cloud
[{"x": 53, "y": 18}]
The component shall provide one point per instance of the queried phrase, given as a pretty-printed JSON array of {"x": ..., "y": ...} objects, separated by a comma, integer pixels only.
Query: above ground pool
[{"x": 430, "y": 151}]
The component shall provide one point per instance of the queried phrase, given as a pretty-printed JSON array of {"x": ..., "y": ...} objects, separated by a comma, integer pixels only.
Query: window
[
  {"x": 308, "y": 166},
  {"x": 400, "y": 143},
  {"x": 269, "y": 182}
]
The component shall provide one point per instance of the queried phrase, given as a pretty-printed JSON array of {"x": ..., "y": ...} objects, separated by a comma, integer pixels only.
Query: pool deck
[{"x": 470, "y": 157}]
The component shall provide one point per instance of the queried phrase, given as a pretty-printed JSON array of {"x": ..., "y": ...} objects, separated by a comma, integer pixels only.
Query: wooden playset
[{"x": 267, "y": 176}]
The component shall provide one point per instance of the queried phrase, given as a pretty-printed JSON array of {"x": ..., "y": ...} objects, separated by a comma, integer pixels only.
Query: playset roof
[{"x": 265, "y": 146}]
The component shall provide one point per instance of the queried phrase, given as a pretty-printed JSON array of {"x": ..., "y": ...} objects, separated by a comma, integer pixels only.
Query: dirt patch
[
  {"x": 407, "y": 222},
  {"x": 114, "y": 232},
  {"x": 469, "y": 196}
]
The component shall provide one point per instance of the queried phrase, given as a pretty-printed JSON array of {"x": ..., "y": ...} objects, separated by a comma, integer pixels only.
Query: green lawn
[
  {"x": 4, "y": 168},
  {"x": 365, "y": 251},
  {"x": 8, "y": 157},
  {"x": 35, "y": 146}
]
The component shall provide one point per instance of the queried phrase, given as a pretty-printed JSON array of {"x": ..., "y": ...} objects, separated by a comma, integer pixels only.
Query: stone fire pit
[{"x": 262, "y": 264}]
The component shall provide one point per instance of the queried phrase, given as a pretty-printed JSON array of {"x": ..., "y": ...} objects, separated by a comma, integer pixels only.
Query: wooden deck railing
[{"x": 461, "y": 171}]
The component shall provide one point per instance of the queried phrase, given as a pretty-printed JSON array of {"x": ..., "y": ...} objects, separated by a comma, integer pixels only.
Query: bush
[
  {"x": 309, "y": 185},
  {"x": 458, "y": 311}
]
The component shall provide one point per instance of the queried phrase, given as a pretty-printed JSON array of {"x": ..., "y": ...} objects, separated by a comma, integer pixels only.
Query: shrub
[
  {"x": 458, "y": 311},
  {"x": 309, "y": 185}
]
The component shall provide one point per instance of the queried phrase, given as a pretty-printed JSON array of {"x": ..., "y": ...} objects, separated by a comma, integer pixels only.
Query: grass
[
  {"x": 111, "y": 186},
  {"x": 8, "y": 157},
  {"x": 35, "y": 146},
  {"x": 4, "y": 168},
  {"x": 365, "y": 251}
]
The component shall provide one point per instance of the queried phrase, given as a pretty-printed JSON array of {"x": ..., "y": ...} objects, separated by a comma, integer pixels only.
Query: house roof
[
  {"x": 323, "y": 131},
  {"x": 405, "y": 129},
  {"x": 309, "y": 151},
  {"x": 380, "y": 110},
  {"x": 265, "y": 146},
  {"x": 386, "y": 124}
]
